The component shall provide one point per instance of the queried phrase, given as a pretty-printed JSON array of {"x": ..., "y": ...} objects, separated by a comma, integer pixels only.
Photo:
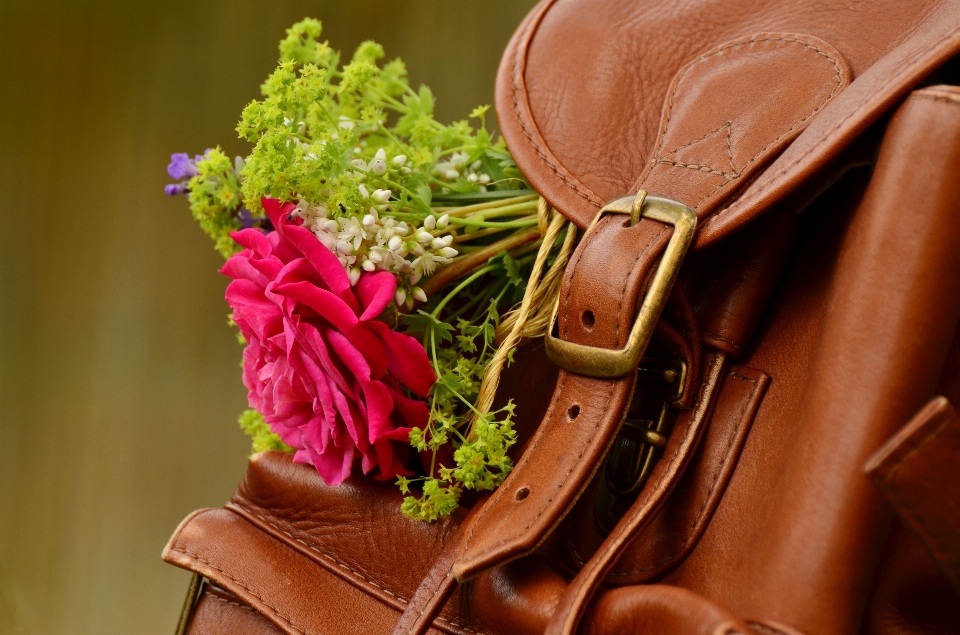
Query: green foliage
[
  {"x": 214, "y": 196},
  {"x": 460, "y": 356},
  {"x": 253, "y": 424},
  {"x": 318, "y": 129}
]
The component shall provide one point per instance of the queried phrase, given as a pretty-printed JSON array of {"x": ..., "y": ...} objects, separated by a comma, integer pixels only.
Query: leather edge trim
[
  {"x": 185, "y": 559},
  {"x": 750, "y": 406},
  {"x": 197, "y": 563},
  {"x": 748, "y": 169},
  {"x": 817, "y": 147}
]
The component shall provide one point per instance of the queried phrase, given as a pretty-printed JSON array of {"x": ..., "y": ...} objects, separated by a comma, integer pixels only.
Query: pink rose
[{"x": 326, "y": 376}]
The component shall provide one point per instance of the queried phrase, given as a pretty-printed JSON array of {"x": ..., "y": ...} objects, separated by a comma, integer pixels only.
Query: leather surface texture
[
  {"x": 674, "y": 531},
  {"x": 585, "y": 138},
  {"x": 219, "y": 612},
  {"x": 351, "y": 545},
  {"x": 917, "y": 470}
]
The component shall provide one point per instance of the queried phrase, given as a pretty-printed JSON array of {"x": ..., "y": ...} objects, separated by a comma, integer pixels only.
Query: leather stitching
[
  {"x": 734, "y": 345},
  {"x": 612, "y": 384},
  {"x": 426, "y": 605},
  {"x": 947, "y": 99},
  {"x": 346, "y": 567},
  {"x": 532, "y": 135},
  {"x": 676, "y": 85},
  {"x": 727, "y": 125},
  {"x": 715, "y": 482},
  {"x": 249, "y": 590},
  {"x": 941, "y": 550},
  {"x": 237, "y": 604},
  {"x": 561, "y": 384},
  {"x": 904, "y": 70},
  {"x": 731, "y": 175}
]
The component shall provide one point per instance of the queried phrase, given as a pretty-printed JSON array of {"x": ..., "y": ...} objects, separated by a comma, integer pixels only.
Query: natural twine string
[{"x": 532, "y": 318}]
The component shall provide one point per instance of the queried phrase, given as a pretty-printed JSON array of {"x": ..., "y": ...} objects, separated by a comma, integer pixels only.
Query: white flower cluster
[
  {"x": 382, "y": 243},
  {"x": 378, "y": 164},
  {"x": 456, "y": 165}
]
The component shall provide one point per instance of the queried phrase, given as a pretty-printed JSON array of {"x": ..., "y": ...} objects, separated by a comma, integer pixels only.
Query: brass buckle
[{"x": 604, "y": 362}]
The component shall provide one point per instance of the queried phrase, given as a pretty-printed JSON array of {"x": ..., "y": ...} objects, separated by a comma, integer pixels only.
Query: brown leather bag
[{"x": 771, "y": 465}]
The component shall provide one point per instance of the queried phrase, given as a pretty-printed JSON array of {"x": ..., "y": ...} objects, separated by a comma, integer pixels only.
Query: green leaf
[
  {"x": 424, "y": 193},
  {"x": 479, "y": 112},
  {"x": 421, "y": 321},
  {"x": 253, "y": 423},
  {"x": 513, "y": 270}
]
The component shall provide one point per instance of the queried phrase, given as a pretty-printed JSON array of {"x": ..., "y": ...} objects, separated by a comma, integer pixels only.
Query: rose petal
[
  {"x": 379, "y": 405},
  {"x": 254, "y": 240},
  {"x": 375, "y": 291},
  {"x": 407, "y": 359},
  {"x": 342, "y": 318},
  {"x": 327, "y": 377},
  {"x": 261, "y": 317}
]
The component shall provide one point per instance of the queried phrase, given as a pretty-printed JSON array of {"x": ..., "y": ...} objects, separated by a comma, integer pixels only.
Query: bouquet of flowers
[{"x": 383, "y": 269}]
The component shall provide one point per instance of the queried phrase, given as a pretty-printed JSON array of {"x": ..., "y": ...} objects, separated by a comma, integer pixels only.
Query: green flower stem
[
  {"x": 390, "y": 101},
  {"x": 506, "y": 210},
  {"x": 390, "y": 135},
  {"x": 523, "y": 251},
  {"x": 461, "y": 266},
  {"x": 469, "y": 249},
  {"x": 436, "y": 367},
  {"x": 462, "y": 238},
  {"x": 482, "y": 207},
  {"x": 460, "y": 287},
  {"x": 525, "y": 221},
  {"x": 479, "y": 298}
]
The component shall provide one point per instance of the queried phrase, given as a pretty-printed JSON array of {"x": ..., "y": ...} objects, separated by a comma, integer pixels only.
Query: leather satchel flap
[{"x": 594, "y": 97}]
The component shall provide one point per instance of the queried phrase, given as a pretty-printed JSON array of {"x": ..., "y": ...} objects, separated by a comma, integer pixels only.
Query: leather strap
[
  {"x": 916, "y": 470},
  {"x": 709, "y": 142},
  {"x": 687, "y": 431},
  {"x": 439, "y": 584}
]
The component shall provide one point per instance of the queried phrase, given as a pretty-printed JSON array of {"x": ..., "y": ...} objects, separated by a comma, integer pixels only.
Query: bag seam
[
  {"x": 568, "y": 179},
  {"x": 346, "y": 567},
  {"x": 275, "y": 611},
  {"x": 822, "y": 138},
  {"x": 666, "y": 125},
  {"x": 237, "y": 604}
]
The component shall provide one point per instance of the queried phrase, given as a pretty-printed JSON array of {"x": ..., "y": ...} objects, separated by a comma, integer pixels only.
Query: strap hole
[
  {"x": 573, "y": 412},
  {"x": 522, "y": 493},
  {"x": 588, "y": 319}
]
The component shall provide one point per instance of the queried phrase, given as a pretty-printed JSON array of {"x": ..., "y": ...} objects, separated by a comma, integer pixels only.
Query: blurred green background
[{"x": 119, "y": 379}]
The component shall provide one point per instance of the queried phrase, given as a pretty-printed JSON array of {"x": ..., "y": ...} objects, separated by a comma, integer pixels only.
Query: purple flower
[
  {"x": 175, "y": 188},
  {"x": 181, "y": 167},
  {"x": 246, "y": 218}
]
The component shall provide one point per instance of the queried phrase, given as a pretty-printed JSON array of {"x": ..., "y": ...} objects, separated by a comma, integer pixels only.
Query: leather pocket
[{"x": 675, "y": 530}]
